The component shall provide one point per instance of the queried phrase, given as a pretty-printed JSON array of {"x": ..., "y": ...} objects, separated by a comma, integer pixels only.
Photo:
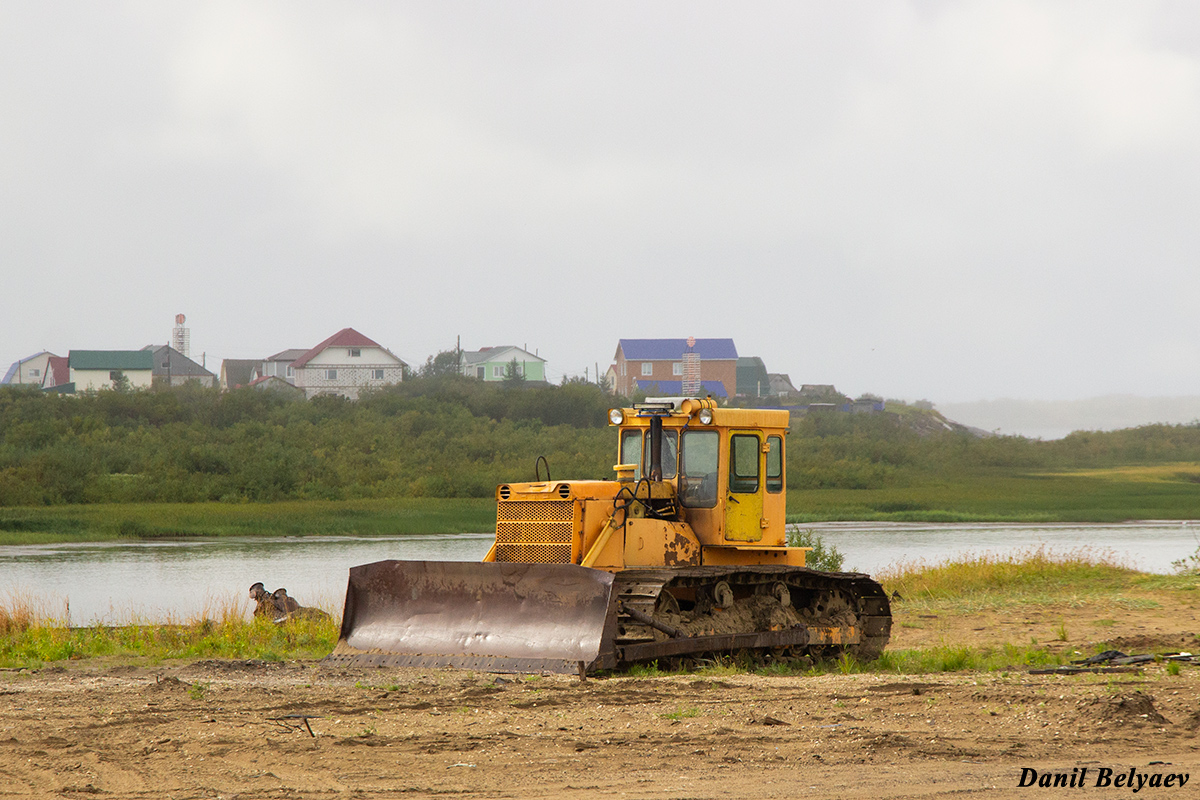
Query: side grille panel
[{"x": 535, "y": 531}]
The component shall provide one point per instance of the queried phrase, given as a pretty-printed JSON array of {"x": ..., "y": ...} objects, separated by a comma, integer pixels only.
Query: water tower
[{"x": 181, "y": 337}]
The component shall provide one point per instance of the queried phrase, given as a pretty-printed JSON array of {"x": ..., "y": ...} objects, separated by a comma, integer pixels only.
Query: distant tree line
[{"x": 443, "y": 435}]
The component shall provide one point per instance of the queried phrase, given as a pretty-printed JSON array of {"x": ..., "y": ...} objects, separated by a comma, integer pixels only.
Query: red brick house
[{"x": 655, "y": 366}]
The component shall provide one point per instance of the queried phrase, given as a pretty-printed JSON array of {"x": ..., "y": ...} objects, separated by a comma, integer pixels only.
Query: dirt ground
[{"x": 221, "y": 729}]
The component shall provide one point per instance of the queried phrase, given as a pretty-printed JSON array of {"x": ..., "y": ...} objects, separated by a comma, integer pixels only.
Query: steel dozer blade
[{"x": 497, "y": 617}]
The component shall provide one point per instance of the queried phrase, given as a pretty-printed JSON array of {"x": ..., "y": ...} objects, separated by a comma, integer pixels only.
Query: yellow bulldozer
[{"x": 683, "y": 556}]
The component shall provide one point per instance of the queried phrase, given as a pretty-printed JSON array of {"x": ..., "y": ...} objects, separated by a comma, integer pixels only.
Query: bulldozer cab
[{"x": 726, "y": 466}]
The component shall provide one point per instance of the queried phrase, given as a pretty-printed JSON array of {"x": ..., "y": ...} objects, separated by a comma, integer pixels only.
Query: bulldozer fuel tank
[
  {"x": 516, "y": 617},
  {"x": 497, "y": 617}
]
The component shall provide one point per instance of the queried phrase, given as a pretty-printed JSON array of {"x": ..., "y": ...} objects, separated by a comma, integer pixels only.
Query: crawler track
[{"x": 767, "y": 608}]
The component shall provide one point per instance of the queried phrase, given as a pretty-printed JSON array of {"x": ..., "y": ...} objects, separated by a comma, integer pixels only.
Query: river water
[{"x": 160, "y": 581}]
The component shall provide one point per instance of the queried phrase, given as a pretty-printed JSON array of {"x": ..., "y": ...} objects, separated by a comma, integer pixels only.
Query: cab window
[
  {"x": 670, "y": 458},
  {"x": 743, "y": 464},
  {"x": 635, "y": 444},
  {"x": 698, "y": 462},
  {"x": 631, "y": 447},
  {"x": 775, "y": 464}
]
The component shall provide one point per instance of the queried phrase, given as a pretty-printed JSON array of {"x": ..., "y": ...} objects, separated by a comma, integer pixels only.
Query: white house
[
  {"x": 345, "y": 364},
  {"x": 98, "y": 369},
  {"x": 31, "y": 370}
]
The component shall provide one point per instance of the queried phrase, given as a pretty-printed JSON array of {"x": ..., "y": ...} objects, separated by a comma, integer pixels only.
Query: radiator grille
[{"x": 535, "y": 531}]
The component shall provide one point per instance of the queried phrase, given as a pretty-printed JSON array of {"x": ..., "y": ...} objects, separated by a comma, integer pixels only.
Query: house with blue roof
[
  {"x": 30, "y": 370},
  {"x": 655, "y": 366}
]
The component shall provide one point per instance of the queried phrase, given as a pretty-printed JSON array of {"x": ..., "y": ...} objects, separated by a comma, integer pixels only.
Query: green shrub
[{"x": 826, "y": 558}]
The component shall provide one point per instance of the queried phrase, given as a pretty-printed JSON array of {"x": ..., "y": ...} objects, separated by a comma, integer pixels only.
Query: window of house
[
  {"x": 775, "y": 464},
  {"x": 33, "y": 373},
  {"x": 355, "y": 352},
  {"x": 677, "y": 368},
  {"x": 331, "y": 374},
  {"x": 166, "y": 364},
  {"x": 622, "y": 368},
  {"x": 497, "y": 370},
  {"x": 647, "y": 368},
  {"x": 289, "y": 370},
  {"x": 377, "y": 374}
]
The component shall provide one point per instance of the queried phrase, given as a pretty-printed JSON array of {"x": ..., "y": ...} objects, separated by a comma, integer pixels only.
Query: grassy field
[
  {"x": 1165, "y": 491},
  {"x": 99, "y": 522}
]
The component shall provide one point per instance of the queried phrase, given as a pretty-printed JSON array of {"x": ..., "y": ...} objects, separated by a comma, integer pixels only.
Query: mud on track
[{"x": 237, "y": 729}]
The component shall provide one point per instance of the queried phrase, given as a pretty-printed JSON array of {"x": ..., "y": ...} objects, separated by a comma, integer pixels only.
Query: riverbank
[
  {"x": 987, "y": 611},
  {"x": 100, "y": 522}
]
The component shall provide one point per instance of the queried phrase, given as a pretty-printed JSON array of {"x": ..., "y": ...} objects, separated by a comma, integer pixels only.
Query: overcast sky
[{"x": 953, "y": 201}]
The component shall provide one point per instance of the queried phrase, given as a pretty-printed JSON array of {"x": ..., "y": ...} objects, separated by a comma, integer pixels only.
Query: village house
[
  {"x": 491, "y": 363},
  {"x": 102, "y": 369},
  {"x": 30, "y": 370},
  {"x": 280, "y": 365},
  {"x": 173, "y": 368},
  {"x": 781, "y": 385},
  {"x": 752, "y": 378},
  {"x": 239, "y": 372},
  {"x": 277, "y": 385},
  {"x": 655, "y": 366},
  {"x": 345, "y": 364},
  {"x": 58, "y": 373}
]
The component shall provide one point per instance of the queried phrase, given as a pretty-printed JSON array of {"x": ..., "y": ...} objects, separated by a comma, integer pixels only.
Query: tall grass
[
  {"x": 1036, "y": 575},
  {"x": 1035, "y": 567},
  {"x": 30, "y": 638}
]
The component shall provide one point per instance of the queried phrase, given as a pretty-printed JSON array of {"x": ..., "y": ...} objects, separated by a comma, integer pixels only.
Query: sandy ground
[{"x": 222, "y": 729}]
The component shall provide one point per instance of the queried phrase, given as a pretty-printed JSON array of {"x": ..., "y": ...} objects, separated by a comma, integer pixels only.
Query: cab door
[{"x": 744, "y": 492}]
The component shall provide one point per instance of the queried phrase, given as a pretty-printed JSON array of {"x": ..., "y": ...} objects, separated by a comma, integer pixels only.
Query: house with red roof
[
  {"x": 345, "y": 364},
  {"x": 58, "y": 372},
  {"x": 274, "y": 383}
]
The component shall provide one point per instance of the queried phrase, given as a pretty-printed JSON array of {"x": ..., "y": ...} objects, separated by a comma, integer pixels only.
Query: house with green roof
[{"x": 100, "y": 369}]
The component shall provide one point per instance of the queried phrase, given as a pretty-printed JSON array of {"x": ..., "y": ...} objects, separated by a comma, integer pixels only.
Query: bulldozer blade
[{"x": 497, "y": 617}]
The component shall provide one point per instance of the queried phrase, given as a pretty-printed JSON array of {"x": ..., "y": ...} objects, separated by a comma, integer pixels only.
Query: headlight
[
  {"x": 705, "y": 416},
  {"x": 616, "y": 416}
]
